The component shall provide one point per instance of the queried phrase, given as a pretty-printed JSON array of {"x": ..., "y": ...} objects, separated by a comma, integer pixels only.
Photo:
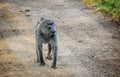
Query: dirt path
[{"x": 88, "y": 45}]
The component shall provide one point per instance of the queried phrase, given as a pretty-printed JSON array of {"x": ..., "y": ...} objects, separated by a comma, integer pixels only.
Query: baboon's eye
[{"x": 50, "y": 23}]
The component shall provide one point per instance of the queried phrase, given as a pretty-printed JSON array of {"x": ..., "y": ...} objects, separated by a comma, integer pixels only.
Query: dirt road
[{"x": 89, "y": 45}]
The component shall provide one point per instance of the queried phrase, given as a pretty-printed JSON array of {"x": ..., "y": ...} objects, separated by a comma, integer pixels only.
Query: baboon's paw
[
  {"x": 42, "y": 64},
  {"x": 54, "y": 67},
  {"x": 49, "y": 57}
]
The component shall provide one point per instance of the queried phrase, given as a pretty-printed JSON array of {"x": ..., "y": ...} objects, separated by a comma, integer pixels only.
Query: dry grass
[
  {"x": 4, "y": 5},
  {"x": 8, "y": 61}
]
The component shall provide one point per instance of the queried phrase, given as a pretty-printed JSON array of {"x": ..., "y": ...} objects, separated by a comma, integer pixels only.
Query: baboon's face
[{"x": 48, "y": 27}]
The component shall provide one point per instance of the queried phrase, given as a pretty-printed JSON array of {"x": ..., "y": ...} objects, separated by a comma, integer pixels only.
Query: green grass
[{"x": 110, "y": 6}]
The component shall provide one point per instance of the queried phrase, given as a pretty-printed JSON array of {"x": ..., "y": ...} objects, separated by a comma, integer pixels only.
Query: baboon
[{"x": 45, "y": 32}]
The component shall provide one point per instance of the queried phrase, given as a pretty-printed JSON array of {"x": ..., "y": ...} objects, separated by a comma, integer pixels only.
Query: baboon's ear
[{"x": 42, "y": 19}]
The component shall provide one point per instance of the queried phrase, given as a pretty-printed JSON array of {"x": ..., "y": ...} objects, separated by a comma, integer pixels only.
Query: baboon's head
[{"x": 48, "y": 27}]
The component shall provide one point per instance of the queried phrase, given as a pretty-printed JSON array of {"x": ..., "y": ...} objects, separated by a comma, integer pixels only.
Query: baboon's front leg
[
  {"x": 38, "y": 56},
  {"x": 54, "y": 56},
  {"x": 49, "y": 52},
  {"x": 41, "y": 54},
  {"x": 36, "y": 37},
  {"x": 39, "y": 49}
]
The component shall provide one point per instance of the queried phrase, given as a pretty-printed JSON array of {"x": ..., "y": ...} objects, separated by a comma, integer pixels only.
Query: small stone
[
  {"x": 103, "y": 17},
  {"x": 92, "y": 56},
  {"x": 20, "y": 11},
  {"x": 48, "y": 70},
  {"x": 13, "y": 30},
  {"x": 80, "y": 41},
  {"x": 27, "y": 10},
  {"x": 115, "y": 37},
  {"x": 82, "y": 9},
  {"x": 28, "y": 14},
  {"x": 58, "y": 17}
]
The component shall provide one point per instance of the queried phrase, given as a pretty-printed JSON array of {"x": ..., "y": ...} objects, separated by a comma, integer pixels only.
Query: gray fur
[{"x": 45, "y": 32}]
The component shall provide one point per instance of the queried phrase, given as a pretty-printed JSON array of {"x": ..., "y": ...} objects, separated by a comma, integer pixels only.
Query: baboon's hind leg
[
  {"x": 38, "y": 56},
  {"x": 37, "y": 52},
  {"x": 49, "y": 52}
]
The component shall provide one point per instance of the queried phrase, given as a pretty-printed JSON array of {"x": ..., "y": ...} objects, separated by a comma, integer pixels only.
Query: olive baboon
[{"x": 45, "y": 32}]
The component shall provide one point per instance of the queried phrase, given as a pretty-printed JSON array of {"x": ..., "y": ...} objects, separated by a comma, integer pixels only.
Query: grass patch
[{"x": 110, "y": 6}]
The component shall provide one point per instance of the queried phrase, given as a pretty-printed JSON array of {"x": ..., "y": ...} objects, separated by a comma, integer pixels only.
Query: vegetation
[{"x": 110, "y": 6}]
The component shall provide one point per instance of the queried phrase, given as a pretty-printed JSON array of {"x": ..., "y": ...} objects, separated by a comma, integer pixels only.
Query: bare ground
[{"x": 89, "y": 44}]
